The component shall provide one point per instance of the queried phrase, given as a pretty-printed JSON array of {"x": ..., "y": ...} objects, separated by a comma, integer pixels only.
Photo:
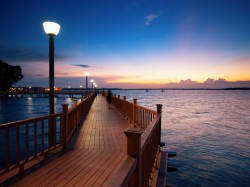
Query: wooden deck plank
[
  {"x": 103, "y": 169},
  {"x": 90, "y": 171},
  {"x": 76, "y": 170},
  {"x": 98, "y": 149},
  {"x": 59, "y": 171},
  {"x": 108, "y": 171},
  {"x": 44, "y": 170}
]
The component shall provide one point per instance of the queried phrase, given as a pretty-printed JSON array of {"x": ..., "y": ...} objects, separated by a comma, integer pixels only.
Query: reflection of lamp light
[
  {"x": 86, "y": 74},
  {"x": 92, "y": 81},
  {"x": 51, "y": 29},
  {"x": 95, "y": 85}
]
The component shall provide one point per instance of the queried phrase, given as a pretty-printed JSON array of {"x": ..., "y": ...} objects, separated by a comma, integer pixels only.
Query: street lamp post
[
  {"x": 51, "y": 29},
  {"x": 86, "y": 74}
]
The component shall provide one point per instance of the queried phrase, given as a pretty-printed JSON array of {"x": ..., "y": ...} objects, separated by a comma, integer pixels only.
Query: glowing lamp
[{"x": 51, "y": 28}]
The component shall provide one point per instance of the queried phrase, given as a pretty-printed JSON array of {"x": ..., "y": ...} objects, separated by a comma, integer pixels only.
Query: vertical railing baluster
[
  {"x": 64, "y": 125},
  {"x": 159, "y": 112},
  {"x": 27, "y": 141},
  {"x": 17, "y": 145},
  {"x": 134, "y": 111},
  {"x": 42, "y": 138},
  {"x": 60, "y": 133},
  {"x": 55, "y": 121},
  {"x": 75, "y": 116},
  {"x": 123, "y": 105},
  {"x": 49, "y": 133},
  {"x": 7, "y": 149},
  {"x": 35, "y": 143}
]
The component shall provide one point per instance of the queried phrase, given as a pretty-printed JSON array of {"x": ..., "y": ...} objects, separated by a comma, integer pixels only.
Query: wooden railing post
[
  {"x": 134, "y": 150},
  {"x": 135, "y": 101},
  {"x": 75, "y": 102},
  {"x": 159, "y": 112},
  {"x": 64, "y": 125},
  {"x": 134, "y": 112}
]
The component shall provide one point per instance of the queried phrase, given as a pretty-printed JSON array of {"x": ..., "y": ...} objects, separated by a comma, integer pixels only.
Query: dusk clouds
[
  {"x": 22, "y": 54},
  {"x": 82, "y": 65},
  {"x": 130, "y": 43},
  {"x": 208, "y": 84},
  {"x": 150, "y": 18}
]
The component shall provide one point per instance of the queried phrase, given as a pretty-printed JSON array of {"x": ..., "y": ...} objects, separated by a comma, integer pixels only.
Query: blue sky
[{"x": 129, "y": 44}]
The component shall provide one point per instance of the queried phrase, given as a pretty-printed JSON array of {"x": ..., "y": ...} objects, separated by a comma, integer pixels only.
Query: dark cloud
[
  {"x": 209, "y": 80},
  {"x": 37, "y": 76},
  {"x": 62, "y": 74},
  {"x": 209, "y": 83},
  {"x": 221, "y": 80},
  {"x": 82, "y": 65},
  {"x": 188, "y": 81},
  {"x": 25, "y": 55}
]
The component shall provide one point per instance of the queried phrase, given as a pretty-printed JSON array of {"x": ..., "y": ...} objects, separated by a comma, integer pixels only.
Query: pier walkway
[{"x": 97, "y": 150}]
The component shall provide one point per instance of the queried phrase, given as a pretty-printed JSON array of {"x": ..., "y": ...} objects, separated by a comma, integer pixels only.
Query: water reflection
[
  {"x": 30, "y": 105},
  {"x": 210, "y": 132}
]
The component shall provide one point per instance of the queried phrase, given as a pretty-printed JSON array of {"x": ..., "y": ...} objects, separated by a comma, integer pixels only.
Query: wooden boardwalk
[{"x": 98, "y": 149}]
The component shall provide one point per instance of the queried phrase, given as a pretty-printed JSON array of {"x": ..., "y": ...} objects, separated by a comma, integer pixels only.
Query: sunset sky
[{"x": 129, "y": 43}]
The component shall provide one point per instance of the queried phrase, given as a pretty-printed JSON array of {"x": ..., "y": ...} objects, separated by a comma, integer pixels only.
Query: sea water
[{"x": 208, "y": 129}]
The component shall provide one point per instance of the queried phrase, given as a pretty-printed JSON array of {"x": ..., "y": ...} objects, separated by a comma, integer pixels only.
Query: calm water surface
[{"x": 209, "y": 131}]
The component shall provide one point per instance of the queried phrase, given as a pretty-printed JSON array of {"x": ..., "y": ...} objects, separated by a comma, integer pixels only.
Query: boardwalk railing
[
  {"x": 29, "y": 139},
  {"x": 138, "y": 115},
  {"x": 143, "y": 144}
]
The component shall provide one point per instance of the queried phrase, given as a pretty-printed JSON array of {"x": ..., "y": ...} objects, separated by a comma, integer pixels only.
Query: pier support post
[
  {"x": 64, "y": 126},
  {"x": 134, "y": 150},
  {"x": 159, "y": 112}
]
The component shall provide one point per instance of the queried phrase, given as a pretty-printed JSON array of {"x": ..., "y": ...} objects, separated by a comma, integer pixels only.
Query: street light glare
[{"x": 51, "y": 28}]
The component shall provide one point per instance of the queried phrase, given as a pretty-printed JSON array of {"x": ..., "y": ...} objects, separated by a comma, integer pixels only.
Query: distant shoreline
[{"x": 179, "y": 88}]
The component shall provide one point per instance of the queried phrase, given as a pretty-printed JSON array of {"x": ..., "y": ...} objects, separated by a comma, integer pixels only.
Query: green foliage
[{"x": 9, "y": 75}]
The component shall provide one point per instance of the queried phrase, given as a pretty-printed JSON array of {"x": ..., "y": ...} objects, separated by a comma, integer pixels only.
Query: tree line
[{"x": 9, "y": 75}]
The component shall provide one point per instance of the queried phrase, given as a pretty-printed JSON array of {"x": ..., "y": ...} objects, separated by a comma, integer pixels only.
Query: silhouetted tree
[{"x": 9, "y": 75}]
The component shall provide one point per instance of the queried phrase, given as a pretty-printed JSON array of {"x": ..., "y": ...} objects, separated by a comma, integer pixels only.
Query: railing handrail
[
  {"x": 147, "y": 109},
  {"x": 140, "y": 116},
  {"x": 14, "y": 123}
]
